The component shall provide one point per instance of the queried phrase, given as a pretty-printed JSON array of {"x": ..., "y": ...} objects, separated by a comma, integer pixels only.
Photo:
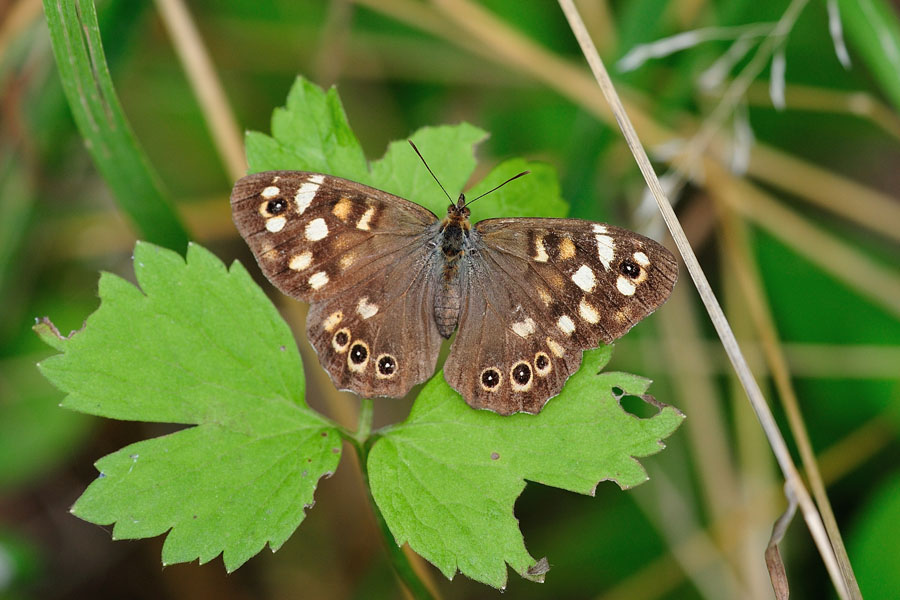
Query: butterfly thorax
[{"x": 454, "y": 232}]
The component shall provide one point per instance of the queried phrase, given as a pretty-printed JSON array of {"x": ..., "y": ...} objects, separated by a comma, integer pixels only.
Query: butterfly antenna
[
  {"x": 498, "y": 187},
  {"x": 429, "y": 170}
]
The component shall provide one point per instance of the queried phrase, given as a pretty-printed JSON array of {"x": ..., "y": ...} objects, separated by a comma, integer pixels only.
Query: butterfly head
[
  {"x": 459, "y": 210},
  {"x": 457, "y": 220}
]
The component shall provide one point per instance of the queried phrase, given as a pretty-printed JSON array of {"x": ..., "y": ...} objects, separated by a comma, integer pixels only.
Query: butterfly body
[
  {"x": 387, "y": 280},
  {"x": 454, "y": 242}
]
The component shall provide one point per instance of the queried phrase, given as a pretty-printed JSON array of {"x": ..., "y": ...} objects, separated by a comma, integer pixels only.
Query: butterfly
[{"x": 387, "y": 280}]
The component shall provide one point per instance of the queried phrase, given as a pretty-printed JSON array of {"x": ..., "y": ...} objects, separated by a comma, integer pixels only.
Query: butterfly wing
[
  {"x": 536, "y": 293},
  {"x": 358, "y": 256}
]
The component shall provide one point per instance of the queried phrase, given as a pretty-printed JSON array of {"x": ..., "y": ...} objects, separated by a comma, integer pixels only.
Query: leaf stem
[
  {"x": 399, "y": 561},
  {"x": 364, "y": 423}
]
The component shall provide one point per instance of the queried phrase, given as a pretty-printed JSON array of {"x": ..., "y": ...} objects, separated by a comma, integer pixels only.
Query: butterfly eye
[
  {"x": 521, "y": 376},
  {"x": 542, "y": 364},
  {"x": 387, "y": 366},
  {"x": 341, "y": 340},
  {"x": 276, "y": 207},
  {"x": 490, "y": 379},
  {"x": 630, "y": 269}
]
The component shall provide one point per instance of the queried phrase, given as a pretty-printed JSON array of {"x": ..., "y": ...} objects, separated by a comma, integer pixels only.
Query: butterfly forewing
[
  {"x": 355, "y": 253},
  {"x": 537, "y": 292}
]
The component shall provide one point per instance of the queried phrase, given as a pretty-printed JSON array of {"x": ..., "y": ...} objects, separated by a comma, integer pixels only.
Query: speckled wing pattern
[
  {"x": 532, "y": 294},
  {"x": 540, "y": 291},
  {"x": 356, "y": 254}
]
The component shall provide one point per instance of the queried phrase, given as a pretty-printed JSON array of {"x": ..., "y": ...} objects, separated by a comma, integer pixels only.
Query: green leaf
[
  {"x": 310, "y": 133},
  {"x": 197, "y": 344},
  {"x": 75, "y": 38},
  {"x": 534, "y": 195},
  {"x": 446, "y": 480},
  {"x": 449, "y": 150}
]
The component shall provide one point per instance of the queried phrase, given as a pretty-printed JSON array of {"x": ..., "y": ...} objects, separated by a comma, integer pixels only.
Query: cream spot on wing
[
  {"x": 566, "y": 248},
  {"x": 599, "y": 228},
  {"x": 316, "y": 230},
  {"x": 624, "y": 285},
  {"x": 342, "y": 209},
  {"x": 588, "y": 312},
  {"x": 566, "y": 325},
  {"x": 641, "y": 259},
  {"x": 347, "y": 259},
  {"x": 300, "y": 261},
  {"x": 524, "y": 328},
  {"x": 546, "y": 298},
  {"x": 270, "y": 192},
  {"x": 317, "y": 280},
  {"x": 332, "y": 321},
  {"x": 306, "y": 192},
  {"x": 584, "y": 278},
  {"x": 364, "y": 220},
  {"x": 365, "y": 309},
  {"x": 540, "y": 253},
  {"x": 557, "y": 350},
  {"x": 606, "y": 249},
  {"x": 275, "y": 224}
]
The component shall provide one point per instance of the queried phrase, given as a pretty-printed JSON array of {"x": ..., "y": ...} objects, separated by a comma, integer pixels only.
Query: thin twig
[
  {"x": 737, "y": 252},
  {"x": 777, "y": 572},
  {"x": 754, "y": 394},
  {"x": 206, "y": 85}
]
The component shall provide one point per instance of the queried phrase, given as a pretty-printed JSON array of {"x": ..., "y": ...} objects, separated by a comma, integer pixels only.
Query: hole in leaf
[
  {"x": 618, "y": 392},
  {"x": 637, "y": 406}
]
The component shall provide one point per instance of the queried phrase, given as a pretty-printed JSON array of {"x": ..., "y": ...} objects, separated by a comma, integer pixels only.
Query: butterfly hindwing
[
  {"x": 356, "y": 254},
  {"x": 386, "y": 341},
  {"x": 547, "y": 290}
]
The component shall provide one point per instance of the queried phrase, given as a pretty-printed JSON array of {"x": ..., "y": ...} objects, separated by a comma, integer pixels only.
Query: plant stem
[
  {"x": 404, "y": 570},
  {"x": 364, "y": 423}
]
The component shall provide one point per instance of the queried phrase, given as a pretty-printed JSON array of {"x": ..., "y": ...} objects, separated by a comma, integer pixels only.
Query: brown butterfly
[{"x": 387, "y": 280}]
